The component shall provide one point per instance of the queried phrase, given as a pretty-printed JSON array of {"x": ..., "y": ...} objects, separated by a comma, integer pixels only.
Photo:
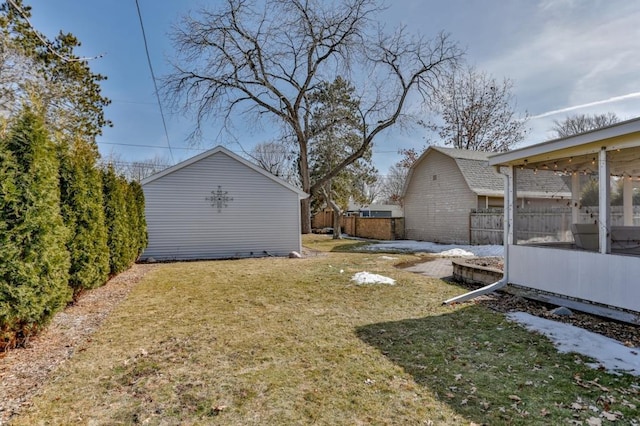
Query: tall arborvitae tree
[
  {"x": 83, "y": 212},
  {"x": 34, "y": 262},
  {"x": 116, "y": 218},
  {"x": 132, "y": 221},
  {"x": 140, "y": 231}
]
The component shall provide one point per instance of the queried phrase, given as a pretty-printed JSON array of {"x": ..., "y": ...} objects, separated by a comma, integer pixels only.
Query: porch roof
[{"x": 578, "y": 152}]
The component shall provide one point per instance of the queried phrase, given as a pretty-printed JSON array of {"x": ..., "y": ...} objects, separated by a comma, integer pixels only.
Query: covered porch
[{"x": 594, "y": 258}]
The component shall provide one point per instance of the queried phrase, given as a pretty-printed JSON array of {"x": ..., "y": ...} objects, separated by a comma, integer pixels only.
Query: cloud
[
  {"x": 588, "y": 105},
  {"x": 572, "y": 53}
]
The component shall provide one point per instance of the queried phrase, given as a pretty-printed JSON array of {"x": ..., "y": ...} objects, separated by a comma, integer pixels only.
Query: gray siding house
[
  {"x": 218, "y": 205},
  {"x": 445, "y": 184}
]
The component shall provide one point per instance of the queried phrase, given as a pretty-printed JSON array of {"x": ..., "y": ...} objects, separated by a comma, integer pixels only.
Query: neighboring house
[
  {"x": 219, "y": 205},
  {"x": 599, "y": 263},
  {"x": 374, "y": 210},
  {"x": 445, "y": 184}
]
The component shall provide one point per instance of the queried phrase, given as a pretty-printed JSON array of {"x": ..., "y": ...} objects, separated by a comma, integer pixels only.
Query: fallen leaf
[
  {"x": 544, "y": 412},
  {"x": 576, "y": 406},
  {"x": 628, "y": 404},
  {"x": 457, "y": 377},
  {"x": 218, "y": 409},
  {"x": 594, "y": 421},
  {"x": 515, "y": 398},
  {"x": 609, "y": 416}
]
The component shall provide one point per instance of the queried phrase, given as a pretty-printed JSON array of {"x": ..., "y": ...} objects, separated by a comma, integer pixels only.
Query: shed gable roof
[{"x": 224, "y": 151}]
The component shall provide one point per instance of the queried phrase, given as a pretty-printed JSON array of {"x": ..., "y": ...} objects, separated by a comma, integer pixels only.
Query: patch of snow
[
  {"x": 411, "y": 246},
  {"x": 369, "y": 278},
  {"x": 456, "y": 252},
  {"x": 609, "y": 353},
  {"x": 388, "y": 258}
]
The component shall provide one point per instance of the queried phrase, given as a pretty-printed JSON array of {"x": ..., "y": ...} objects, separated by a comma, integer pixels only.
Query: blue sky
[{"x": 564, "y": 57}]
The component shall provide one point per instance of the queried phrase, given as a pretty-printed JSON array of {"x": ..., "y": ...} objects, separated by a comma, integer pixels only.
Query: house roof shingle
[{"x": 484, "y": 180}]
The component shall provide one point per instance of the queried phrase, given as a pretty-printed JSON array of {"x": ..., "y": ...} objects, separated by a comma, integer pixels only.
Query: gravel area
[{"x": 23, "y": 371}]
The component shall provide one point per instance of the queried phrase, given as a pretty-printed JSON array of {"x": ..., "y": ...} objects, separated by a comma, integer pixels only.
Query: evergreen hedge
[
  {"x": 124, "y": 214},
  {"x": 139, "y": 221},
  {"x": 83, "y": 213},
  {"x": 34, "y": 261},
  {"x": 65, "y": 225}
]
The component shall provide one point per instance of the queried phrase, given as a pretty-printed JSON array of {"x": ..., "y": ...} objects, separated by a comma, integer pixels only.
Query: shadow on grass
[
  {"x": 490, "y": 370},
  {"x": 351, "y": 246}
]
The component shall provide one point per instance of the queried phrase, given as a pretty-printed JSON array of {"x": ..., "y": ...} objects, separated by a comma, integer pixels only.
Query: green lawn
[{"x": 293, "y": 341}]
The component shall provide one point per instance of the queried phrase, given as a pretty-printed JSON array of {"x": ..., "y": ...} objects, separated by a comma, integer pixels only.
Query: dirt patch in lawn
[{"x": 24, "y": 370}]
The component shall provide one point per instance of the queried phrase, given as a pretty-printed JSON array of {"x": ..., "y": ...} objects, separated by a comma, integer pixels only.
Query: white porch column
[
  {"x": 575, "y": 197},
  {"x": 604, "y": 185},
  {"x": 510, "y": 206},
  {"x": 627, "y": 200}
]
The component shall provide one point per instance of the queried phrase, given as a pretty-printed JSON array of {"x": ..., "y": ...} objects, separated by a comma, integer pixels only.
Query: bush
[
  {"x": 83, "y": 213},
  {"x": 139, "y": 221},
  {"x": 120, "y": 216},
  {"x": 34, "y": 262}
]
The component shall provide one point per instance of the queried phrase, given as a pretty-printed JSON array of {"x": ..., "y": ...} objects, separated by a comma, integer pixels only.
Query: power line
[
  {"x": 44, "y": 41},
  {"x": 153, "y": 77},
  {"x": 136, "y": 145}
]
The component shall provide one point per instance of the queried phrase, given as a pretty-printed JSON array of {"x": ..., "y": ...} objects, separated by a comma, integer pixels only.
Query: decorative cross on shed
[{"x": 219, "y": 199}]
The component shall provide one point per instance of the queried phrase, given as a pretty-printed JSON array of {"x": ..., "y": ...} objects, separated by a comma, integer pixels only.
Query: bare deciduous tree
[
  {"x": 135, "y": 170},
  {"x": 477, "y": 112},
  {"x": 277, "y": 158},
  {"x": 264, "y": 58},
  {"x": 580, "y": 123},
  {"x": 393, "y": 183}
]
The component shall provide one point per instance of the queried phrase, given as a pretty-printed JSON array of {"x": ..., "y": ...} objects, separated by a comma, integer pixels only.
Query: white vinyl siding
[
  {"x": 262, "y": 218},
  {"x": 438, "y": 209}
]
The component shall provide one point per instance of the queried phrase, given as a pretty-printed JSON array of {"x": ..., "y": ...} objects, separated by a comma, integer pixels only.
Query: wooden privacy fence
[
  {"x": 486, "y": 225},
  {"x": 322, "y": 219},
  {"x": 378, "y": 228}
]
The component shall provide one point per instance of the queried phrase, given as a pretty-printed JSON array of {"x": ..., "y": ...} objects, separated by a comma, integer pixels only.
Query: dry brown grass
[{"x": 295, "y": 341}]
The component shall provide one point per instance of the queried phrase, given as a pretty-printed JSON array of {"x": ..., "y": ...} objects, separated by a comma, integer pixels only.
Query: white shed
[{"x": 218, "y": 205}]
